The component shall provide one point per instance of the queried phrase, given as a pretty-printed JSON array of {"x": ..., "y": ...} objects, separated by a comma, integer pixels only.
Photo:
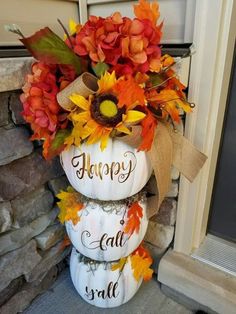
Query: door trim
[{"x": 214, "y": 38}]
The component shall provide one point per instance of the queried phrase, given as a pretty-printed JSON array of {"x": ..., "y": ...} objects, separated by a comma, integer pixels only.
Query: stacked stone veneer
[{"x": 31, "y": 238}]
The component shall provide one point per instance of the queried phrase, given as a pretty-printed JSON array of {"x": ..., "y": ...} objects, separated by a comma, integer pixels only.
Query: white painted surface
[{"x": 177, "y": 16}]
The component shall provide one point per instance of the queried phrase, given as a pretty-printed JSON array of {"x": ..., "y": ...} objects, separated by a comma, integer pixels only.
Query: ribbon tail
[
  {"x": 186, "y": 157},
  {"x": 161, "y": 159}
]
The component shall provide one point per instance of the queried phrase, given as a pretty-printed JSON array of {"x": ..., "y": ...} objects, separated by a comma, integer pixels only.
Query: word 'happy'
[{"x": 120, "y": 169}]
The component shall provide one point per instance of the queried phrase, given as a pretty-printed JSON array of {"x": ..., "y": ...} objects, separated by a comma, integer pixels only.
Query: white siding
[{"x": 31, "y": 15}]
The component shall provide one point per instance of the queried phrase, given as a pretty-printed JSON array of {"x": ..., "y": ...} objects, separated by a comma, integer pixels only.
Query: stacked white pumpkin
[{"x": 111, "y": 181}]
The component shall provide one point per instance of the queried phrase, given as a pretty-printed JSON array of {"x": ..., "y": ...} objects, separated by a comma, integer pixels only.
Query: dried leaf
[{"x": 135, "y": 213}]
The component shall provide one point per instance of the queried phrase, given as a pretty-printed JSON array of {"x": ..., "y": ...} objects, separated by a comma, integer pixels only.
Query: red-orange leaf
[
  {"x": 129, "y": 93},
  {"x": 135, "y": 213},
  {"x": 148, "y": 124}
]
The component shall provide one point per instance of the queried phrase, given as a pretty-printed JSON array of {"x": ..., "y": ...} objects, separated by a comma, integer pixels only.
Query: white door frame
[{"x": 214, "y": 39}]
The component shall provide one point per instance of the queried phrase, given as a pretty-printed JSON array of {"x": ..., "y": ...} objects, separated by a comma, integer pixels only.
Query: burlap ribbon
[
  {"x": 84, "y": 85},
  {"x": 169, "y": 147}
]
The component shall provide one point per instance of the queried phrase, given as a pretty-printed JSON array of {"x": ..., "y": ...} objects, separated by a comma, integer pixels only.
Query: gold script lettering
[{"x": 83, "y": 165}]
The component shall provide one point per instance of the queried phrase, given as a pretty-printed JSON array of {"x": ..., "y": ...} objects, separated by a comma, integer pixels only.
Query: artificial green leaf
[
  {"x": 100, "y": 68},
  {"x": 57, "y": 145},
  {"x": 156, "y": 79},
  {"x": 46, "y": 46},
  {"x": 60, "y": 139}
]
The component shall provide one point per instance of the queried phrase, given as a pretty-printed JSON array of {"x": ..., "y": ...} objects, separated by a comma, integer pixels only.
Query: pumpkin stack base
[{"x": 98, "y": 284}]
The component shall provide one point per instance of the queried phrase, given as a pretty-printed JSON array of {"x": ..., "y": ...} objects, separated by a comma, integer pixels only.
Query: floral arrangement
[{"x": 137, "y": 85}]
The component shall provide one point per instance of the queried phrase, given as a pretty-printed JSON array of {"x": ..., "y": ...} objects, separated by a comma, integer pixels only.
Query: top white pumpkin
[{"x": 118, "y": 172}]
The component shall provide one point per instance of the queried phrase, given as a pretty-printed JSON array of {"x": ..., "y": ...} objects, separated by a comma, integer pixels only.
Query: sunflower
[{"x": 107, "y": 113}]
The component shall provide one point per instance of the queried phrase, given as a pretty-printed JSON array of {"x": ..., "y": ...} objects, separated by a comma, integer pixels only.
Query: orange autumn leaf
[
  {"x": 148, "y": 124},
  {"x": 135, "y": 213},
  {"x": 171, "y": 102},
  {"x": 146, "y": 10},
  {"x": 130, "y": 93},
  {"x": 66, "y": 242},
  {"x": 140, "y": 263},
  {"x": 167, "y": 61},
  {"x": 69, "y": 205}
]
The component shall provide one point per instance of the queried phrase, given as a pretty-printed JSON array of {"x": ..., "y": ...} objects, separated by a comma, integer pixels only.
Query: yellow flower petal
[
  {"x": 80, "y": 117},
  {"x": 80, "y": 101},
  {"x": 123, "y": 129},
  {"x": 134, "y": 116},
  {"x": 104, "y": 139},
  {"x": 106, "y": 82},
  {"x": 72, "y": 26}
]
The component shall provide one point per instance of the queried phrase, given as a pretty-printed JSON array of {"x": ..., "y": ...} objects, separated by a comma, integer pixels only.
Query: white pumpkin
[
  {"x": 100, "y": 234},
  {"x": 99, "y": 285},
  {"x": 118, "y": 172}
]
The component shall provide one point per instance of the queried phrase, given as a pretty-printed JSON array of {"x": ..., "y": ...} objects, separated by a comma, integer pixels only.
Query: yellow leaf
[
  {"x": 120, "y": 264},
  {"x": 69, "y": 205}
]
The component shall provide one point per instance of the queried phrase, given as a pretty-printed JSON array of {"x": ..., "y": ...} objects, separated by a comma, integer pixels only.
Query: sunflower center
[
  {"x": 108, "y": 108},
  {"x": 104, "y": 110}
]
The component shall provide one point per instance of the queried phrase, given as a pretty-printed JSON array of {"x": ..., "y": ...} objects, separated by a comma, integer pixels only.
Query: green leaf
[
  {"x": 100, "y": 68},
  {"x": 57, "y": 144},
  {"x": 46, "y": 46},
  {"x": 156, "y": 79},
  {"x": 60, "y": 138}
]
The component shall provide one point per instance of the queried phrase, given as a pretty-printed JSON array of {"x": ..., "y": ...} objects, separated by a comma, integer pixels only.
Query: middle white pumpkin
[
  {"x": 100, "y": 234},
  {"x": 118, "y": 172}
]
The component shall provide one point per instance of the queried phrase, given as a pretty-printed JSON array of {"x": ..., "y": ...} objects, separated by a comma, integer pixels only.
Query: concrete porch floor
[{"x": 62, "y": 298}]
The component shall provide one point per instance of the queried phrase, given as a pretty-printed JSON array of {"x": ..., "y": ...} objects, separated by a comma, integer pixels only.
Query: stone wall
[{"x": 31, "y": 238}]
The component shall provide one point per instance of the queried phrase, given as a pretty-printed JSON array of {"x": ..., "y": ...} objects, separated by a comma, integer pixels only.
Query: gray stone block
[
  {"x": 16, "y": 108},
  {"x": 11, "y": 289},
  {"x": 167, "y": 213},
  {"x": 17, "y": 238},
  {"x": 50, "y": 258},
  {"x": 17, "y": 263},
  {"x": 159, "y": 235},
  {"x": 30, "y": 206},
  {"x": 28, "y": 292},
  {"x": 5, "y": 216},
  {"x": 13, "y": 72},
  {"x": 26, "y": 174},
  {"x": 14, "y": 144},
  {"x": 4, "y": 112},
  {"x": 174, "y": 189},
  {"x": 58, "y": 184},
  {"x": 50, "y": 236}
]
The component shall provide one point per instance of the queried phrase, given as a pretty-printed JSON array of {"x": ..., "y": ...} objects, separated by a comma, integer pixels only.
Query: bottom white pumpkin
[{"x": 99, "y": 285}]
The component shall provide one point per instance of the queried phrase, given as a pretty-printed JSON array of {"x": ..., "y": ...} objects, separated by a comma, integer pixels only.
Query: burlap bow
[{"x": 169, "y": 147}]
